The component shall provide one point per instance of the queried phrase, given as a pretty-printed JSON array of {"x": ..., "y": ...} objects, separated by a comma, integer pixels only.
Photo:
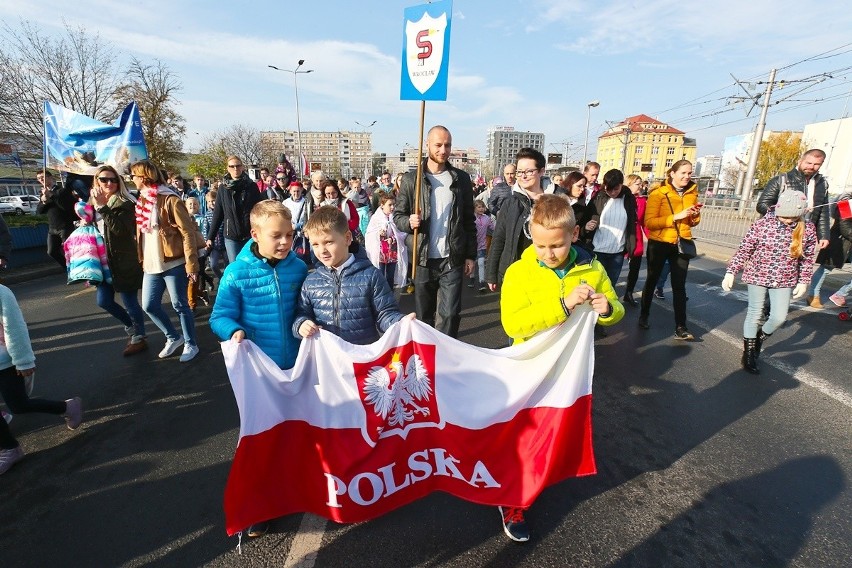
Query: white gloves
[
  {"x": 799, "y": 291},
  {"x": 728, "y": 282}
]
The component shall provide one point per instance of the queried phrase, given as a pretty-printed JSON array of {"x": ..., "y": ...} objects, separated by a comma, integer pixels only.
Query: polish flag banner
[{"x": 354, "y": 431}]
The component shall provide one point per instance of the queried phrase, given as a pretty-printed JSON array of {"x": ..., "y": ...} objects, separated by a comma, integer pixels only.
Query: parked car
[{"x": 19, "y": 204}]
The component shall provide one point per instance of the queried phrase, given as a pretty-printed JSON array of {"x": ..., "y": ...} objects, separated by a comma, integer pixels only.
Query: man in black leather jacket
[
  {"x": 799, "y": 179},
  {"x": 446, "y": 245}
]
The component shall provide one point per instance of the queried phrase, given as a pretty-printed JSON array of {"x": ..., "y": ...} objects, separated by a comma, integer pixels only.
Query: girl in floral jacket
[{"x": 776, "y": 257}]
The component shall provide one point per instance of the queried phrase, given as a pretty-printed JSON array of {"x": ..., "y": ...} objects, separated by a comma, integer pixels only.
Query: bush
[{"x": 13, "y": 220}]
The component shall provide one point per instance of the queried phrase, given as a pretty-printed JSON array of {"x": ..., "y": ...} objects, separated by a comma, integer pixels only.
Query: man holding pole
[{"x": 442, "y": 224}]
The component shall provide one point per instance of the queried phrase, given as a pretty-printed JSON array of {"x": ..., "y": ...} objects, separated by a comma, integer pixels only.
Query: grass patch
[{"x": 24, "y": 220}]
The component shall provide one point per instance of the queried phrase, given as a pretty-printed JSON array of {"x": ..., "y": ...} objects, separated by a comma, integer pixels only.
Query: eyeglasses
[
  {"x": 108, "y": 180},
  {"x": 280, "y": 179},
  {"x": 235, "y": 166},
  {"x": 526, "y": 173}
]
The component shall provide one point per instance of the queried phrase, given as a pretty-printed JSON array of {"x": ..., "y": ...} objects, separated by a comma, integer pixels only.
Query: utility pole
[
  {"x": 627, "y": 128},
  {"x": 755, "y": 144}
]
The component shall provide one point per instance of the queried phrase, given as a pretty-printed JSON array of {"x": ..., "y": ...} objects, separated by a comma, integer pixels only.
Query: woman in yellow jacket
[{"x": 670, "y": 210}]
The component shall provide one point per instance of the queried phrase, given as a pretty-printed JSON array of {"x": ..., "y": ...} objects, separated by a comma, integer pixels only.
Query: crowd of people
[{"x": 289, "y": 256}]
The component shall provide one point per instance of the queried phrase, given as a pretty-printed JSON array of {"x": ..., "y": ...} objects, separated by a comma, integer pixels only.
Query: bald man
[{"x": 446, "y": 238}]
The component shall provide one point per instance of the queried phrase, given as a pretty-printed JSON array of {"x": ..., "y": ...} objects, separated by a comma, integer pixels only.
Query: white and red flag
[{"x": 354, "y": 431}]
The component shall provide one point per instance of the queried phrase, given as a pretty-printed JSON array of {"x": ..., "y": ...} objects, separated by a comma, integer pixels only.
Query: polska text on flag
[{"x": 352, "y": 432}]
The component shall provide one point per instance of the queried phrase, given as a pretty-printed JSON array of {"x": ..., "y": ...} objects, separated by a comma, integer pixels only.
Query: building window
[
  {"x": 637, "y": 163},
  {"x": 655, "y": 150},
  {"x": 669, "y": 162},
  {"x": 670, "y": 151},
  {"x": 640, "y": 149}
]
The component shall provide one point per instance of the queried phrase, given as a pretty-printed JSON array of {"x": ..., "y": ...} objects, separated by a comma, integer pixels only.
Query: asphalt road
[{"x": 700, "y": 464}]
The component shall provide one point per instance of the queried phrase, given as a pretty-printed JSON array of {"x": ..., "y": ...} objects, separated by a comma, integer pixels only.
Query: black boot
[
  {"x": 628, "y": 299},
  {"x": 749, "y": 359},
  {"x": 761, "y": 337}
]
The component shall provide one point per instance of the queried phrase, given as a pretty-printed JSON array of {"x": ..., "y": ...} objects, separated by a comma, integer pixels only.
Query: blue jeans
[
  {"x": 480, "y": 265},
  {"x": 664, "y": 275},
  {"x": 130, "y": 315},
  {"x": 437, "y": 295},
  {"x": 816, "y": 280},
  {"x": 153, "y": 286},
  {"x": 389, "y": 272},
  {"x": 844, "y": 290},
  {"x": 233, "y": 248},
  {"x": 215, "y": 255},
  {"x": 612, "y": 263},
  {"x": 779, "y": 304}
]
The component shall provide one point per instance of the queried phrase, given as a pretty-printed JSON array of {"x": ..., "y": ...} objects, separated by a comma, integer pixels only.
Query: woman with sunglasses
[
  {"x": 511, "y": 233},
  {"x": 237, "y": 196},
  {"x": 167, "y": 247},
  {"x": 115, "y": 205}
]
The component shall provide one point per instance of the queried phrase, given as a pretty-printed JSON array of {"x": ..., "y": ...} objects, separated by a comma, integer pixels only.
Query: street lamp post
[
  {"x": 364, "y": 128},
  {"x": 588, "y": 117},
  {"x": 295, "y": 73}
]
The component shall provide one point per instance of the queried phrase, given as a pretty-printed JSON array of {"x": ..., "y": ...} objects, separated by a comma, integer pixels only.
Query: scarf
[{"x": 146, "y": 207}]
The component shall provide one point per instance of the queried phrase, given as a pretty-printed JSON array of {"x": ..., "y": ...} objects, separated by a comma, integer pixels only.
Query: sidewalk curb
[{"x": 30, "y": 272}]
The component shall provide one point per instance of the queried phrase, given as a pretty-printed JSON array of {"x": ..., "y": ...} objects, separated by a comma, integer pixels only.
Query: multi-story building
[
  {"x": 708, "y": 166},
  {"x": 341, "y": 153},
  {"x": 643, "y": 146},
  {"x": 503, "y": 143}
]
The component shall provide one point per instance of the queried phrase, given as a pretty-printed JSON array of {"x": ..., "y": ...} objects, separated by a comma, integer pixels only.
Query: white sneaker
[
  {"x": 170, "y": 348},
  {"x": 189, "y": 353},
  {"x": 128, "y": 329},
  {"x": 7, "y": 416},
  {"x": 8, "y": 458}
]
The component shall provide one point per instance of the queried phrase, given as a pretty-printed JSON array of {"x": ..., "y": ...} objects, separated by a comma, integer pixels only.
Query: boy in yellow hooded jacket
[{"x": 541, "y": 289}]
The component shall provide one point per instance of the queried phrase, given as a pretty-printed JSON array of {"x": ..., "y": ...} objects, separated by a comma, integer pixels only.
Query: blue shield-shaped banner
[
  {"x": 426, "y": 52},
  {"x": 79, "y": 144}
]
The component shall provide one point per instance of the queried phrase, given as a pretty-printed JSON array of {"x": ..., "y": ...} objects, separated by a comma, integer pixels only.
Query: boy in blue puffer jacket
[
  {"x": 259, "y": 290},
  {"x": 347, "y": 295}
]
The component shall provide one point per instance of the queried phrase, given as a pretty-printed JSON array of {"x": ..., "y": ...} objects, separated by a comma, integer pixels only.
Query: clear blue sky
[{"x": 531, "y": 64}]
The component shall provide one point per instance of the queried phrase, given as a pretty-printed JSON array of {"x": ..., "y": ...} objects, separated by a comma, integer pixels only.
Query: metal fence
[{"x": 725, "y": 221}]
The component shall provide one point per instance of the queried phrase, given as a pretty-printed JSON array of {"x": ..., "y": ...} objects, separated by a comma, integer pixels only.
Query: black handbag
[{"x": 685, "y": 247}]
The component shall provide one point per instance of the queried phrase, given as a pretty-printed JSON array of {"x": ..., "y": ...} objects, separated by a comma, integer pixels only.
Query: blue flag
[
  {"x": 426, "y": 52},
  {"x": 79, "y": 144}
]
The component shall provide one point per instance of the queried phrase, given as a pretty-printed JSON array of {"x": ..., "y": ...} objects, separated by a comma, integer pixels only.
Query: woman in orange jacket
[{"x": 671, "y": 211}]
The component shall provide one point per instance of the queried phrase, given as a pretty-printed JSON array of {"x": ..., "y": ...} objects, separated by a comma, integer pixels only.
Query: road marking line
[
  {"x": 797, "y": 373},
  {"x": 306, "y": 543}
]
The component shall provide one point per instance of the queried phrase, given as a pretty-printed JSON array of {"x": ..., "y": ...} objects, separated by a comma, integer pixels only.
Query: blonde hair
[
  {"x": 266, "y": 209},
  {"x": 796, "y": 245},
  {"x": 123, "y": 193},
  {"x": 327, "y": 219},
  {"x": 150, "y": 173},
  {"x": 631, "y": 178},
  {"x": 553, "y": 211}
]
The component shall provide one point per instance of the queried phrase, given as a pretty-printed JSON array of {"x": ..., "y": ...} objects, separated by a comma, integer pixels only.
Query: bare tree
[
  {"x": 76, "y": 70},
  {"x": 247, "y": 143},
  {"x": 154, "y": 88}
]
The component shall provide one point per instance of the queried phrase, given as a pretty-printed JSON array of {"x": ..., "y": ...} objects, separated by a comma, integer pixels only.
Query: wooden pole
[{"x": 417, "y": 189}]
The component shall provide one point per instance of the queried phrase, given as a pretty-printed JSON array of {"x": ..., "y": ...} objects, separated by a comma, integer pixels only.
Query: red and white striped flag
[
  {"x": 355, "y": 431},
  {"x": 306, "y": 166}
]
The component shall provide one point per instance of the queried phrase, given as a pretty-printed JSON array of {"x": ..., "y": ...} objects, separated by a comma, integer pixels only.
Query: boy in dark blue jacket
[{"x": 346, "y": 296}]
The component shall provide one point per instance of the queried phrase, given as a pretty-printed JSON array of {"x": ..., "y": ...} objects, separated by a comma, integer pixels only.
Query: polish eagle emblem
[{"x": 394, "y": 391}]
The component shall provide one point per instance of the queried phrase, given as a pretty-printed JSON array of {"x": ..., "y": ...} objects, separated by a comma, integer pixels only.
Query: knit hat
[
  {"x": 791, "y": 203},
  {"x": 84, "y": 211}
]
